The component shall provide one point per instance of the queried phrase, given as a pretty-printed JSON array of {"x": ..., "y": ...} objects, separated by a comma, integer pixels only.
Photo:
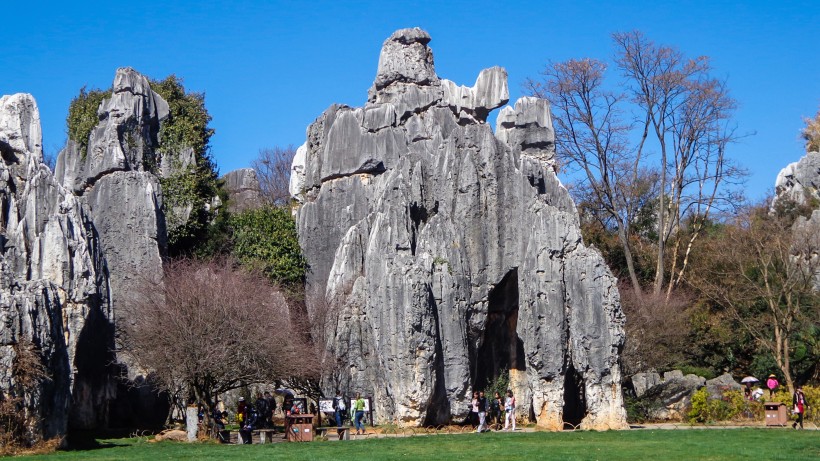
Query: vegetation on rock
[
  {"x": 190, "y": 188},
  {"x": 82, "y": 116}
]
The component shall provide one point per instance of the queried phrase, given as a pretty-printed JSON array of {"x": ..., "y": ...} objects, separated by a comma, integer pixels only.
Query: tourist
[
  {"x": 358, "y": 407},
  {"x": 799, "y": 404},
  {"x": 509, "y": 411},
  {"x": 250, "y": 425},
  {"x": 261, "y": 406},
  {"x": 473, "y": 418},
  {"x": 271, "y": 404},
  {"x": 772, "y": 384},
  {"x": 495, "y": 410},
  {"x": 339, "y": 408},
  {"x": 482, "y": 412},
  {"x": 241, "y": 411}
]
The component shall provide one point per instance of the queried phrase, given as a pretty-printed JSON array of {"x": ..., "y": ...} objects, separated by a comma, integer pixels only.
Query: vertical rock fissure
[
  {"x": 501, "y": 349},
  {"x": 574, "y": 398},
  {"x": 438, "y": 411}
]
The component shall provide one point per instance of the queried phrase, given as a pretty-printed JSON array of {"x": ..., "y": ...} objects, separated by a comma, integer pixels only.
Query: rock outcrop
[
  {"x": 800, "y": 181},
  {"x": 671, "y": 398},
  {"x": 450, "y": 255},
  {"x": 117, "y": 179},
  {"x": 53, "y": 279},
  {"x": 244, "y": 192}
]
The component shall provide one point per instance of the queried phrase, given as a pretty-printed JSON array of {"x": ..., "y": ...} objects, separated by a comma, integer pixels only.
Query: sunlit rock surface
[{"x": 448, "y": 253}]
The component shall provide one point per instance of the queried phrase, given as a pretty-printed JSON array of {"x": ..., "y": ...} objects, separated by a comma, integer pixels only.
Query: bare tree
[
  {"x": 273, "y": 171},
  {"x": 657, "y": 331},
  {"x": 689, "y": 112},
  {"x": 209, "y": 327},
  {"x": 670, "y": 106},
  {"x": 762, "y": 272},
  {"x": 591, "y": 135}
]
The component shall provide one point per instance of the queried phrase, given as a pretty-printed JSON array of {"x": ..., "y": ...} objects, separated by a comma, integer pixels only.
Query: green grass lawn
[{"x": 712, "y": 444}]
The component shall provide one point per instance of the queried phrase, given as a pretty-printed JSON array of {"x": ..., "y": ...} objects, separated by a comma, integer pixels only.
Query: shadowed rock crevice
[
  {"x": 501, "y": 348},
  {"x": 574, "y": 408}
]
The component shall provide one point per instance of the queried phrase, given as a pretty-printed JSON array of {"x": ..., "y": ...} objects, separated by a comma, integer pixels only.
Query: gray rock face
[
  {"x": 449, "y": 254},
  {"x": 244, "y": 192},
  {"x": 800, "y": 181},
  {"x": 672, "y": 398},
  {"x": 722, "y": 384},
  {"x": 53, "y": 280},
  {"x": 642, "y": 382},
  {"x": 117, "y": 183}
]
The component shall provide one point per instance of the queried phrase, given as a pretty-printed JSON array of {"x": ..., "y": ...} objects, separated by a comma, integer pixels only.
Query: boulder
[
  {"x": 449, "y": 254},
  {"x": 672, "y": 398},
  {"x": 720, "y": 385},
  {"x": 642, "y": 382}
]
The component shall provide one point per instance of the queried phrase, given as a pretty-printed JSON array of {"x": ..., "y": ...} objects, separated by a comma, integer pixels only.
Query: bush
[
  {"x": 265, "y": 239},
  {"x": 197, "y": 184},
  {"x": 82, "y": 116}
]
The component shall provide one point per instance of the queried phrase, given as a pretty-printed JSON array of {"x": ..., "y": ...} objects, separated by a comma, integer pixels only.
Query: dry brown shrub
[{"x": 657, "y": 330}]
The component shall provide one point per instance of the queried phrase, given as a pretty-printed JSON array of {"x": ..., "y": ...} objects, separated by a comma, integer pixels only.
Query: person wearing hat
[
  {"x": 772, "y": 384},
  {"x": 799, "y": 403}
]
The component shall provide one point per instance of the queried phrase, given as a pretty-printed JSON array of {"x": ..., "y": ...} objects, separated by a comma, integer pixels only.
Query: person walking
[
  {"x": 339, "y": 408},
  {"x": 772, "y": 384},
  {"x": 509, "y": 410},
  {"x": 495, "y": 410},
  {"x": 358, "y": 407},
  {"x": 482, "y": 412},
  {"x": 474, "y": 409},
  {"x": 799, "y": 403}
]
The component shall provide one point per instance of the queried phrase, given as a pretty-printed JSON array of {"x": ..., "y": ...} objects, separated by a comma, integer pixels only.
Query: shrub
[
  {"x": 265, "y": 239},
  {"x": 82, "y": 116}
]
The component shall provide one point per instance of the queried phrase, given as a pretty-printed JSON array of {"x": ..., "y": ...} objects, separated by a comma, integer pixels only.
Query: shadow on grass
[{"x": 95, "y": 440}]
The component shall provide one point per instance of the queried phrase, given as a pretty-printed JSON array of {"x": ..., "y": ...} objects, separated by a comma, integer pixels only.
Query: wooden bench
[
  {"x": 342, "y": 431},
  {"x": 265, "y": 434}
]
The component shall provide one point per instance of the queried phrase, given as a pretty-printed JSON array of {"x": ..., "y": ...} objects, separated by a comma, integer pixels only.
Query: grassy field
[{"x": 713, "y": 444}]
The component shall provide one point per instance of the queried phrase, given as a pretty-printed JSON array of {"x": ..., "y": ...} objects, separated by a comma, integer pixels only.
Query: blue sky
[{"x": 268, "y": 69}]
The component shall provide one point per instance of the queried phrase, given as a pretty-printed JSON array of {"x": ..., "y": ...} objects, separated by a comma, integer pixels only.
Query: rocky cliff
[
  {"x": 117, "y": 179},
  {"x": 800, "y": 183},
  {"x": 54, "y": 286},
  {"x": 449, "y": 254},
  {"x": 73, "y": 245}
]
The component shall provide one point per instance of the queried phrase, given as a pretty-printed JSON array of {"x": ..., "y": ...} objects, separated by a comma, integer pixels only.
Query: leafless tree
[
  {"x": 210, "y": 327},
  {"x": 762, "y": 271},
  {"x": 591, "y": 135},
  {"x": 273, "y": 171},
  {"x": 657, "y": 331},
  {"x": 670, "y": 105}
]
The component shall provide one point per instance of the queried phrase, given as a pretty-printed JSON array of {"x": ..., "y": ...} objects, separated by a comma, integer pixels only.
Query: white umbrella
[{"x": 749, "y": 379}]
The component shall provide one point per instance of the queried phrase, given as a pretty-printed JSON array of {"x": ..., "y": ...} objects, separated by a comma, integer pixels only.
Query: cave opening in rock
[
  {"x": 574, "y": 398},
  {"x": 501, "y": 349}
]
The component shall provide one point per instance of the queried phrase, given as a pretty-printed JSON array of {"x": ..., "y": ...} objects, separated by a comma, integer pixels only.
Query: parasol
[{"x": 749, "y": 379}]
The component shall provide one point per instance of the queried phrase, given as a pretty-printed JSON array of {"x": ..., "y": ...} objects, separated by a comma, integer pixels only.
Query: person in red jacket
[{"x": 799, "y": 403}]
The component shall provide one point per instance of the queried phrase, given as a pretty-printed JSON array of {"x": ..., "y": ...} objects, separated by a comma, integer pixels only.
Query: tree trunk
[{"x": 630, "y": 265}]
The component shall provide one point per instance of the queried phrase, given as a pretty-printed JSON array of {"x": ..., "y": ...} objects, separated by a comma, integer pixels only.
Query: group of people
[
  {"x": 258, "y": 415},
  {"x": 340, "y": 411},
  {"x": 480, "y": 407},
  {"x": 799, "y": 403}
]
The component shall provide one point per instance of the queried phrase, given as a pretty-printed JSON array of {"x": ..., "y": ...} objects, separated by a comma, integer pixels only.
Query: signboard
[{"x": 326, "y": 405}]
